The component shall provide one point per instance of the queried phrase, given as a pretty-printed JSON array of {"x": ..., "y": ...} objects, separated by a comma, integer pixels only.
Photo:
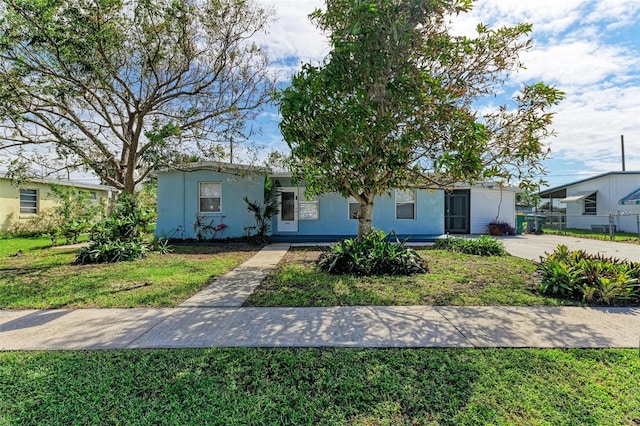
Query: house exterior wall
[
  {"x": 610, "y": 189},
  {"x": 488, "y": 205},
  {"x": 178, "y": 205},
  {"x": 10, "y": 201},
  {"x": 333, "y": 218},
  {"x": 178, "y": 202}
]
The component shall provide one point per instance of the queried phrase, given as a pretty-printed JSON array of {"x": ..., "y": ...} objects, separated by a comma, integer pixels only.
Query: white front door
[{"x": 288, "y": 215}]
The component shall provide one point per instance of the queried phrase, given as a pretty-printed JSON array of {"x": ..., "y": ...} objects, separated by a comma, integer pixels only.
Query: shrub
[
  {"x": 374, "y": 255},
  {"x": 482, "y": 246},
  {"x": 77, "y": 212},
  {"x": 263, "y": 212},
  {"x": 503, "y": 228},
  {"x": 590, "y": 278},
  {"x": 162, "y": 246},
  {"x": 45, "y": 223},
  {"x": 117, "y": 237}
]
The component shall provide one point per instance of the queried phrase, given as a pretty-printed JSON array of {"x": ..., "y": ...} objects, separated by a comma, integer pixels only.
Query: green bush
[
  {"x": 374, "y": 255},
  {"x": 75, "y": 213},
  {"x": 117, "y": 237},
  {"x": 590, "y": 278},
  {"x": 45, "y": 223},
  {"x": 483, "y": 246}
]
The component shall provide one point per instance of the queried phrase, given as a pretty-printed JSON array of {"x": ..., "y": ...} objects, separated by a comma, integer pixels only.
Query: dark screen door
[{"x": 456, "y": 211}]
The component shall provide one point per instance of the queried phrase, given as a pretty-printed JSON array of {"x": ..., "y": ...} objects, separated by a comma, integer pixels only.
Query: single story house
[
  {"x": 212, "y": 193},
  {"x": 34, "y": 198},
  {"x": 593, "y": 202}
]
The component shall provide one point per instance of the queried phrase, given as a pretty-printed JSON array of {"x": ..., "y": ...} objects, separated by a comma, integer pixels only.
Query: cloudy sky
[{"x": 590, "y": 49}]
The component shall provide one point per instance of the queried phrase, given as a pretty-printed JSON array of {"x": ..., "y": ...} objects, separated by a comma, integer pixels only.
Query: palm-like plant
[{"x": 264, "y": 212}]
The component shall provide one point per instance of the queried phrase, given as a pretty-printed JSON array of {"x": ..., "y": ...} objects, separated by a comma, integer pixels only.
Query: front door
[
  {"x": 288, "y": 214},
  {"x": 457, "y": 211}
]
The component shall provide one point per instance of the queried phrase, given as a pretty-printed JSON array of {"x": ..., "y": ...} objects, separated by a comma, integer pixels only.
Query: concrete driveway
[{"x": 533, "y": 246}]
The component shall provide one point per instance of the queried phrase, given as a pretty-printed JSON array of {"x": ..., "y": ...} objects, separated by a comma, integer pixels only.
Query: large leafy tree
[
  {"x": 395, "y": 103},
  {"x": 122, "y": 87}
]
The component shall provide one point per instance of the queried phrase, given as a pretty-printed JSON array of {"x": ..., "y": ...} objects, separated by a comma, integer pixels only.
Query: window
[
  {"x": 28, "y": 201},
  {"x": 354, "y": 208},
  {"x": 210, "y": 197},
  {"x": 308, "y": 208},
  {"x": 590, "y": 203},
  {"x": 405, "y": 204}
]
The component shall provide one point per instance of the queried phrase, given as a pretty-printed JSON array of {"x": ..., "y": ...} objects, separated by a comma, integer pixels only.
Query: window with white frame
[
  {"x": 354, "y": 208},
  {"x": 590, "y": 204},
  {"x": 308, "y": 208},
  {"x": 405, "y": 204},
  {"x": 28, "y": 201},
  {"x": 210, "y": 197}
]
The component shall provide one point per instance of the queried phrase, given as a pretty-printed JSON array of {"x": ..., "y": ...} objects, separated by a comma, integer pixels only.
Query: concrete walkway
[
  {"x": 232, "y": 289},
  {"x": 214, "y": 318}
]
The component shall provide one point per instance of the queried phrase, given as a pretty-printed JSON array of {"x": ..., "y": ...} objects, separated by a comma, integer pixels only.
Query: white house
[{"x": 593, "y": 202}]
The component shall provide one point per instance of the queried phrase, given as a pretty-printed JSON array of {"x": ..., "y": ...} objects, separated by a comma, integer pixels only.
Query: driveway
[{"x": 533, "y": 247}]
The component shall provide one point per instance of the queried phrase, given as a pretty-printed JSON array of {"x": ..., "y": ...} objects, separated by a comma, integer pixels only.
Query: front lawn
[
  {"x": 321, "y": 387},
  {"x": 39, "y": 277},
  {"x": 453, "y": 279}
]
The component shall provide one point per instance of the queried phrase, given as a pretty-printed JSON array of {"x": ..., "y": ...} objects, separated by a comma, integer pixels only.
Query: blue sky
[{"x": 589, "y": 49}]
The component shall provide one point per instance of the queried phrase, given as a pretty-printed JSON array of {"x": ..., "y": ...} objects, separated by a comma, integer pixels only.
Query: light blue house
[{"x": 212, "y": 194}]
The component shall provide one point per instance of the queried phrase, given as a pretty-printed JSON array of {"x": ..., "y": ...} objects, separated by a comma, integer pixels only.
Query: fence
[{"x": 609, "y": 224}]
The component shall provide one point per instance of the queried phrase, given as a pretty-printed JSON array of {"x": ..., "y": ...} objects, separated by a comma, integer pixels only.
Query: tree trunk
[{"x": 365, "y": 219}]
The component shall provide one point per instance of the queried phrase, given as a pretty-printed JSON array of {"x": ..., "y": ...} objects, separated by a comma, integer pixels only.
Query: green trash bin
[
  {"x": 531, "y": 222},
  {"x": 521, "y": 223}
]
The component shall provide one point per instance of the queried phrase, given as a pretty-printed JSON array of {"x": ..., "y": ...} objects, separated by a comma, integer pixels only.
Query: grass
[
  {"x": 321, "y": 386},
  {"x": 453, "y": 279},
  {"x": 43, "y": 278},
  {"x": 625, "y": 237}
]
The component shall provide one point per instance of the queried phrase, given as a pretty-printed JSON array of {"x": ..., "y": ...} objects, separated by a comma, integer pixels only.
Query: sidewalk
[{"x": 214, "y": 318}]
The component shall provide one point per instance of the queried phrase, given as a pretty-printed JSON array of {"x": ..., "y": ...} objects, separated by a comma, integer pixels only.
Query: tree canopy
[
  {"x": 395, "y": 103},
  {"x": 122, "y": 87}
]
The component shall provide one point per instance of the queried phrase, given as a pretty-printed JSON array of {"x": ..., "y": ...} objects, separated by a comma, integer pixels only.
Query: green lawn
[
  {"x": 625, "y": 237},
  {"x": 44, "y": 278},
  {"x": 453, "y": 279},
  {"x": 321, "y": 386}
]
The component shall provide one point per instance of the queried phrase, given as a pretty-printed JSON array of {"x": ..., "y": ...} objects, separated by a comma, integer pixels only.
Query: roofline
[
  {"x": 215, "y": 166},
  {"x": 65, "y": 183},
  {"x": 461, "y": 185},
  {"x": 222, "y": 167},
  {"x": 559, "y": 187}
]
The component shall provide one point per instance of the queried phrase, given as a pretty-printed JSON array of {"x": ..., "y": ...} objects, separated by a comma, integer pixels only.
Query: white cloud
[
  {"x": 577, "y": 63},
  {"x": 619, "y": 13},
  {"x": 292, "y": 38},
  {"x": 588, "y": 49},
  {"x": 589, "y": 126}
]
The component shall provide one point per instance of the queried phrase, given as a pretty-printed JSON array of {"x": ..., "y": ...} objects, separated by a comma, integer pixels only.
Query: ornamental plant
[
  {"x": 375, "y": 254},
  {"x": 597, "y": 279},
  {"x": 117, "y": 237}
]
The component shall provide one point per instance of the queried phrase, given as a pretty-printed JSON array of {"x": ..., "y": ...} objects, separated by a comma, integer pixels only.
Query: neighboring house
[
  {"x": 213, "y": 193},
  {"x": 591, "y": 203},
  {"x": 32, "y": 199}
]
